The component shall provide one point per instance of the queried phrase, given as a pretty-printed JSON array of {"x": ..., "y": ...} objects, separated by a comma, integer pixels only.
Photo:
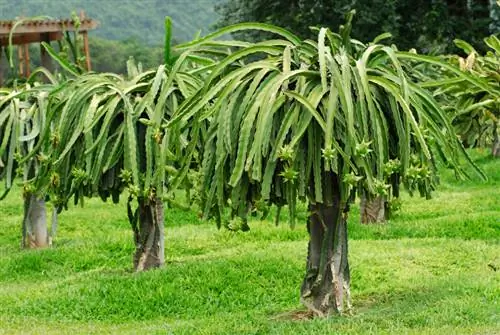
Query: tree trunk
[
  {"x": 35, "y": 233},
  {"x": 326, "y": 286},
  {"x": 495, "y": 149},
  {"x": 54, "y": 225},
  {"x": 148, "y": 235},
  {"x": 375, "y": 210}
]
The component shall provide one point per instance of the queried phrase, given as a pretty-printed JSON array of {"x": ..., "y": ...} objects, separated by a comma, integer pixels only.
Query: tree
[
  {"x": 474, "y": 106},
  {"x": 425, "y": 25},
  {"x": 107, "y": 136},
  {"x": 294, "y": 119},
  {"x": 111, "y": 56},
  {"x": 23, "y": 112},
  {"x": 107, "y": 133},
  {"x": 477, "y": 108},
  {"x": 300, "y": 15}
]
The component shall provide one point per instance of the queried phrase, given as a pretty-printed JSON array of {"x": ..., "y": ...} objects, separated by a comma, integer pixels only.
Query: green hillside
[{"x": 125, "y": 19}]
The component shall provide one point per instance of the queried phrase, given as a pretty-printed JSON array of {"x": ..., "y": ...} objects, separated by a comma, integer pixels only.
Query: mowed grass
[{"x": 434, "y": 269}]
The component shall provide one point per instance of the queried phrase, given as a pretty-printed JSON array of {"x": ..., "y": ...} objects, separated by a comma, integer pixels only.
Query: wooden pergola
[{"x": 20, "y": 33}]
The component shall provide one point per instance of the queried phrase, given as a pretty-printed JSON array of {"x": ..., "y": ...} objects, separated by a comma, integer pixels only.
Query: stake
[
  {"x": 21, "y": 60},
  {"x": 27, "y": 59}
]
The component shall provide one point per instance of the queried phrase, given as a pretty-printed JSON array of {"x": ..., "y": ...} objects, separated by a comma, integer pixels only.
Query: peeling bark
[
  {"x": 149, "y": 235},
  {"x": 326, "y": 286},
  {"x": 374, "y": 210},
  {"x": 35, "y": 233}
]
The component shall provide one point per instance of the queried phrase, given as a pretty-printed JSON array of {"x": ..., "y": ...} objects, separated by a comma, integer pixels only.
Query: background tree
[
  {"x": 112, "y": 56},
  {"x": 107, "y": 150},
  {"x": 477, "y": 109},
  {"x": 22, "y": 117},
  {"x": 94, "y": 144},
  {"x": 425, "y": 25},
  {"x": 107, "y": 133},
  {"x": 473, "y": 106},
  {"x": 26, "y": 114}
]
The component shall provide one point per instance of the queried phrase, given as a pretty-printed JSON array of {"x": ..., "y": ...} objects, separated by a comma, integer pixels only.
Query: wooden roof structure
[
  {"x": 32, "y": 31},
  {"x": 22, "y": 32}
]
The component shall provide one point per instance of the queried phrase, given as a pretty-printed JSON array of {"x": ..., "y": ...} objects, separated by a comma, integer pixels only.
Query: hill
[{"x": 141, "y": 20}]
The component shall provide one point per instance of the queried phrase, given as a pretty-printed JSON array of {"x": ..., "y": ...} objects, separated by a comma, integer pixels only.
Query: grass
[{"x": 429, "y": 271}]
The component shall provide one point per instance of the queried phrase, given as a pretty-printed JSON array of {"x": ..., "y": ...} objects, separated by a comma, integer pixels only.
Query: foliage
[
  {"x": 425, "y": 25},
  {"x": 112, "y": 56},
  {"x": 105, "y": 132},
  {"x": 27, "y": 111},
  {"x": 478, "y": 111},
  {"x": 427, "y": 272},
  {"x": 23, "y": 116},
  {"x": 288, "y": 111},
  {"x": 108, "y": 133},
  {"x": 474, "y": 106}
]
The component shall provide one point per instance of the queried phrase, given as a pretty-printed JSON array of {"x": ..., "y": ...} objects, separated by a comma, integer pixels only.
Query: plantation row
[{"x": 245, "y": 126}]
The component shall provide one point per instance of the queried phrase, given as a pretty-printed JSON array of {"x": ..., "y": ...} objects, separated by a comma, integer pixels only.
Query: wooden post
[
  {"x": 20, "y": 58},
  {"x": 27, "y": 59},
  {"x": 85, "y": 43},
  {"x": 45, "y": 58},
  {"x": 86, "y": 49}
]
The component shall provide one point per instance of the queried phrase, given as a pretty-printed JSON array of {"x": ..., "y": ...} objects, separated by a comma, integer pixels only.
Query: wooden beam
[
  {"x": 46, "y": 26},
  {"x": 20, "y": 59},
  {"x": 27, "y": 59},
  {"x": 45, "y": 58},
  {"x": 30, "y": 38}
]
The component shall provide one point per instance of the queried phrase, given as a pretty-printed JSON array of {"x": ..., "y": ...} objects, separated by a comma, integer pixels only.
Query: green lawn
[{"x": 429, "y": 271}]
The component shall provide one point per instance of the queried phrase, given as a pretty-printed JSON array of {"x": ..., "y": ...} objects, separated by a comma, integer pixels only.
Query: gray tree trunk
[
  {"x": 35, "y": 233},
  {"x": 326, "y": 286},
  {"x": 375, "y": 210},
  {"x": 149, "y": 235},
  {"x": 495, "y": 149},
  {"x": 54, "y": 225}
]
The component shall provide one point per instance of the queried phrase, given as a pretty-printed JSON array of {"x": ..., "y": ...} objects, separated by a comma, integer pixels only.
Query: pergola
[{"x": 20, "y": 33}]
